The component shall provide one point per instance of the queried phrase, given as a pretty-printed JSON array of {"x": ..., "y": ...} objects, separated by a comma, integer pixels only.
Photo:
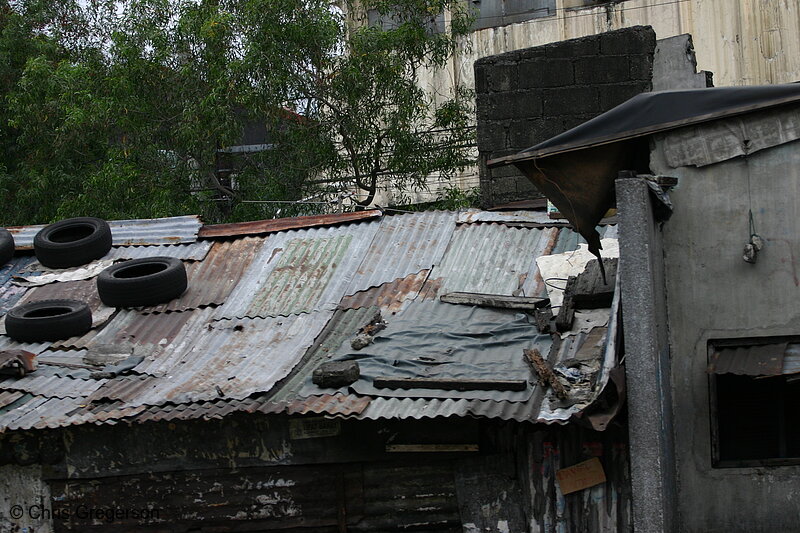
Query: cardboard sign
[{"x": 581, "y": 476}]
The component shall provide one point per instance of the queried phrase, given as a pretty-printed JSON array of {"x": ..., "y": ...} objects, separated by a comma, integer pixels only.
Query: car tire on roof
[
  {"x": 6, "y": 246},
  {"x": 48, "y": 320},
  {"x": 142, "y": 282},
  {"x": 72, "y": 242}
]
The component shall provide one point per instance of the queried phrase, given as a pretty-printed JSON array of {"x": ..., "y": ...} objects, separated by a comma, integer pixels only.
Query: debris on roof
[{"x": 263, "y": 313}]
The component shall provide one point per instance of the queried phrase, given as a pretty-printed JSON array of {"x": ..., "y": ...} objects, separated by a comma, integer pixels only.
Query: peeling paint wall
[{"x": 24, "y": 500}]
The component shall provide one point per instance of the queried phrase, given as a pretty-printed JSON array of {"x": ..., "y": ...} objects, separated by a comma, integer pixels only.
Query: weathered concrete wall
[
  {"x": 24, "y": 500},
  {"x": 527, "y": 96},
  {"x": 744, "y": 42},
  {"x": 714, "y": 294}
]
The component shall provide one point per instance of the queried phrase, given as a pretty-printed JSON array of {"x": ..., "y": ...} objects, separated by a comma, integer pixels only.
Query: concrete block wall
[{"x": 526, "y": 96}]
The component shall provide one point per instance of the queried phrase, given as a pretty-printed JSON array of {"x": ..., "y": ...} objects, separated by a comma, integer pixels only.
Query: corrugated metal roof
[
  {"x": 300, "y": 271},
  {"x": 403, "y": 245},
  {"x": 171, "y": 230},
  {"x": 493, "y": 259},
  {"x": 213, "y": 279},
  {"x": 84, "y": 291},
  {"x": 10, "y": 293},
  {"x": 230, "y": 359},
  {"x": 472, "y": 216},
  {"x": 390, "y": 297},
  {"x": 195, "y": 251},
  {"x": 52, "y": 382},
  {"x": 283, "y": 224},
  {"x": 203, "y": 359}
]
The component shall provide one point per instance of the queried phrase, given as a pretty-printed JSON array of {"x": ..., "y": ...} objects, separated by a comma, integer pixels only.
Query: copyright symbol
[{"x": 16, "y": 511}]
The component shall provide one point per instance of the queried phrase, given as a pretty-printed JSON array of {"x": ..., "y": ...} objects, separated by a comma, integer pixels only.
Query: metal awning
[{"x": 756, "y": 360}]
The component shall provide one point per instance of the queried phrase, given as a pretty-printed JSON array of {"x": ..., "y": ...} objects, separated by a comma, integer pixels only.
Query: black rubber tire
[
  {"x": 72, "y": 242},
  {"x": 48, "y": 320},
  {"x": 142, "y": 282},
  {"x": 6, "y": 246}
]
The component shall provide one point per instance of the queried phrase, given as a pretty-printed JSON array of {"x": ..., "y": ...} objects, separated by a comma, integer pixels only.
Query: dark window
[
  {"x": 493, "y": 13},
  {"x": 754, "y": 398},
  {"x": 577, "y": 4}
]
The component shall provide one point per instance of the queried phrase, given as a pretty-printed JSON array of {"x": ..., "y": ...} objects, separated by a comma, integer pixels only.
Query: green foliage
[{"x": 119, "y": 109}]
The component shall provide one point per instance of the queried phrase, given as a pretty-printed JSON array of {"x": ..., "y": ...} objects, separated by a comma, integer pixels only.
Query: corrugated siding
[
  {"x": 172, "y": 230},
  {"x": 403, "y": 245}
]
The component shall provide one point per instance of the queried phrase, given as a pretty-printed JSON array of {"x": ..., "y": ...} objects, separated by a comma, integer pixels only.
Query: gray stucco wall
[{"x": 713, "y": 294}]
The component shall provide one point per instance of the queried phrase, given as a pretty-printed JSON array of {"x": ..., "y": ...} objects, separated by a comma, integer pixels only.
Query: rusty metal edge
[{"x": 282, "y": 224}]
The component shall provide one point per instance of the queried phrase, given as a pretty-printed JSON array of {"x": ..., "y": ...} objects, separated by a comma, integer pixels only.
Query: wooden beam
[
  {"x": 545, "y": 373},
  {"x": 432, "y": 448},
  {"x": 495, "y": 300},
  {"x": 450, "y": 384}
]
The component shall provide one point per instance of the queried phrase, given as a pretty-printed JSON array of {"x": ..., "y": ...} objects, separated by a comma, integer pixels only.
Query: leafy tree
[{"x": 120, "y": 108}]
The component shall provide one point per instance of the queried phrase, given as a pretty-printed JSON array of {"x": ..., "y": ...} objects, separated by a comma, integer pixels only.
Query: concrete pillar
[{"x": 647, "y": 356}]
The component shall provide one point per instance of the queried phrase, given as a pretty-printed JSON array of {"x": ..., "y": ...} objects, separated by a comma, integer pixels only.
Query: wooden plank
[
  {"x": 403, "y": 448},
  {"x": 450, "y": 384},
  {"x": 495, "y": 300},
  {"x": 581, "y": 476},
  {"x": 545, "y": 373}
]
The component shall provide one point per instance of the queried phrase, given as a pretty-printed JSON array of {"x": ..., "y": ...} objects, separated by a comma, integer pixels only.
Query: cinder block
[
  {"x": 546, "y": 73},
  {"x": 481, "y": 82},
  {"x": 602, "y": 69},
  {"x": 641, "y": 67},
  {"x": 583, "y": 46},
  {"x": 524, "y": 133},
  {"x": 503, "y": 77},
  {"x": 633, "y": 40},
  {"x": 613, "y": 95},
  {"x": 526, "y": 104},
  {"x": 571, "y": 101},
  {"x": 491, "y": 136}
]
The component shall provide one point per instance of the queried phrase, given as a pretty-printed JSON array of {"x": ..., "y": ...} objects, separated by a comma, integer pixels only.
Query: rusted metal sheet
[
  {"x": 213, "y": 279},
  {"x": 7, "y": 397},
  {"x": 283, "y": 224},
  {"x": 390, "y": 297},
  {"x": 224, "y": 359},
  {"x": 403, "y": 245},
  {"x": 758, "y": 360},
  {"x": 130, "y": 327},
  {"x": 195, "y": 251},
  {"x": 300, "y": 271},
  {"x": 52, "y": 382},
  {"x": 171, "y": 230}
]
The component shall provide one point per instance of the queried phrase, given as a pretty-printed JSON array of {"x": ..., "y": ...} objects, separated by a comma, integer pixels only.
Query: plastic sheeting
[{"x": 443, "y": 341}]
